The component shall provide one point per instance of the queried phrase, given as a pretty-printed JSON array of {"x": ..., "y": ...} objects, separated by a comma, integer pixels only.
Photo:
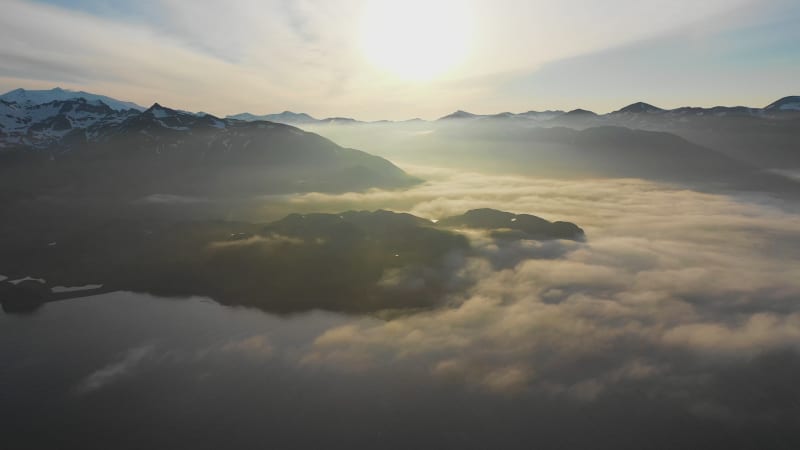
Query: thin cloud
[{"x": 115, "y": 371}]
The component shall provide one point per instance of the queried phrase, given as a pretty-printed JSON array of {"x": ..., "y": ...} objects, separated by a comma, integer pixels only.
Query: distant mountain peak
[
  {"x": 160, "y": 111},
  {"x": 40, "y": 97},
  {"x": 640, "y": 107},
  {"x": 288, "y": 117},
  {"x": 292, "y": 113},
  {"x": 580, "y": 112},
  {"x": 339, "y": 120},
  {"x": 503, "y": 115},
  {"x": 790, "y": 103},
  {"x": 460, "y": 114}
]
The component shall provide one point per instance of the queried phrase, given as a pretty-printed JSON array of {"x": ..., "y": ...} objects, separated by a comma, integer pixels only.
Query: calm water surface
[{"x": 125, "y": 370}]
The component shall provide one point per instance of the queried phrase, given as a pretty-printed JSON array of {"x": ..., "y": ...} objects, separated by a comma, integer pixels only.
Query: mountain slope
[
  {"x": 791, "y": 103},
  {"x": 767, "y": 138},
  {"x": 161, "y": 150},
  {"x": 514, "y": 146}
]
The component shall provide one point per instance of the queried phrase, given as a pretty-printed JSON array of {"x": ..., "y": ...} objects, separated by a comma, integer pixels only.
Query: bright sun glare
[{"x": 415, "y": 39}]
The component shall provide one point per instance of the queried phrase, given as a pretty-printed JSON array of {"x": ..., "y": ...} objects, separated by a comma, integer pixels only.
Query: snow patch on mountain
[
  {"x": 37, "y": 97},
  {"x": 39, "y": 125}
]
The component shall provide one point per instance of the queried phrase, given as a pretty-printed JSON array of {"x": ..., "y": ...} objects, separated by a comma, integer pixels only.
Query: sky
[{"x": 386, "y": 59}]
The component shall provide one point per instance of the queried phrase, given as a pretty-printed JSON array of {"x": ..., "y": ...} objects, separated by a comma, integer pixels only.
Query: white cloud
[{"x": 664, "y": 270}]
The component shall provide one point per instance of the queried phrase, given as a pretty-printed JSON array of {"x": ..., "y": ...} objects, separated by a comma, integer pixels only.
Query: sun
[{"x": 415, "y": 39}]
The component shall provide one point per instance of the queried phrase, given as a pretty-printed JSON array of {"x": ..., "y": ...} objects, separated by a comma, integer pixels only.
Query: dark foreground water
[{"x": 124, "y": 370}]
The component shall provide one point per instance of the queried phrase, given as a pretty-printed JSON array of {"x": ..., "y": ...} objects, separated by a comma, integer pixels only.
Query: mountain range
[
  {"x": 132, "y": 152},
  {"x": 784, "y": 108},
  {"x": 767, "y": 137},
  {"x": 177, "y": 148}
]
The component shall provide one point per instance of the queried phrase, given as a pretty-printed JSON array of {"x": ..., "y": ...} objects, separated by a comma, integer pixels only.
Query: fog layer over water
[{"x": 676, "y": 322}]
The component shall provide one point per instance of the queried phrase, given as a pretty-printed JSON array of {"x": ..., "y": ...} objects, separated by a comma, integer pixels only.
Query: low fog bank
[
  {"x": 686, "y": 298},
  {"x": 675, "y": 323}
]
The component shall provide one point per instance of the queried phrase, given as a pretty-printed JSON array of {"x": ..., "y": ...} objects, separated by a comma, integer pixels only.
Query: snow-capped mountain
[
  {"x": 160, "y": 117},
  {"x": 61, "y": 120},
  {"x": 42, "y": 124},
  {"x": 28, "y": 98},
  {"x": 137, "y": 153}
]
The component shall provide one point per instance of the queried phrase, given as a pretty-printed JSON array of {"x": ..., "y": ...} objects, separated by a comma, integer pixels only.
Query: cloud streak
[{"x": 115, "y": 371}]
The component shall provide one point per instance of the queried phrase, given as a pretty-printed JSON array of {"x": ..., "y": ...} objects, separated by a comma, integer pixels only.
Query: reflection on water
[
  {"x": 131, "y": 369},
  {"x": 124, "y": 370}
]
